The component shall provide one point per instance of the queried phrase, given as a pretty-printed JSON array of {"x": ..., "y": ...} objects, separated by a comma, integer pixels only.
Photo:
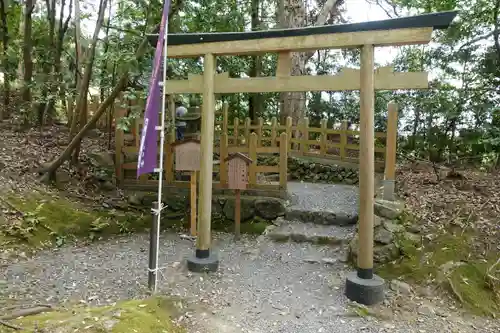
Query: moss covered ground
[
  {"x": 149, "y": 315},
  {"x": 450, "y": 259},
  {"x": 40, "y": 220}
]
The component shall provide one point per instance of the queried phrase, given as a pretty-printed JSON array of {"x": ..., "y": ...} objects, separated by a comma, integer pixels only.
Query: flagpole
[{"x": 162, "y": 143}]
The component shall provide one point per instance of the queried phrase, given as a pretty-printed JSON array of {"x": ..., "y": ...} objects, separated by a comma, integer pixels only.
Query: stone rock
[
  {"x": 401, "y": 287},
  {"x": 176, "y": 202},
  {"x": 447, "y": 268},
  {"x": 388, "y": 209},
  {"x": 218, "y": 206},
  {"x": 247, "y": 210},
  {"x": 135, "y": 199},
  {"x": 393, "y": 227},
  {"x": 413, "y": 238},
  {"x": 377, "y": 220},
  {"x": 103, "y": 159},
  {"x": 107, "y": 186},
  {"x": 385, "y": 253},
  {"x": 92, "y": 133},
  {"x": 383, "y": 236},
  {"x": 382, "y": 253},
  {"x": 413, "y": 229},
  {"x": 269, "y": 208},
  {"x": 329, "y": 261},
  {"x": 62, "y": 177},
  {"x": 425, "y": 310},
  {"x": 109, "y": 324}
]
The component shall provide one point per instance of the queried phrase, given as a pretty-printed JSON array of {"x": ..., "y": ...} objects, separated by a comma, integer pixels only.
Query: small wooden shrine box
[
  {"x": 237, "y": 171},
  {"x": 187, "y": 155}
]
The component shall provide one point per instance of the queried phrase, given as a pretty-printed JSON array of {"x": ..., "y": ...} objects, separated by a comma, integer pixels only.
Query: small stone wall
[
  {"x": 391, "y": 233},
  {"x": 265, "y": 208},
  {"x": 304, "y": 170}
]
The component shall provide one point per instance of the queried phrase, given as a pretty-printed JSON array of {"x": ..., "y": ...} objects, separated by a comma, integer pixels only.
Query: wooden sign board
[
  {"x": 187, "y": 155},
  {"x": 238, "y": 171}
]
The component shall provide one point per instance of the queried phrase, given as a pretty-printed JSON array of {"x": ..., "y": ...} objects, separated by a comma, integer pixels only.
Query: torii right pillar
[{"x": 363, "y": 286}]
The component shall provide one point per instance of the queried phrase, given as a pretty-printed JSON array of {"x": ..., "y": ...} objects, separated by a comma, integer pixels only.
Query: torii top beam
[{"x": 392, "y": 32}]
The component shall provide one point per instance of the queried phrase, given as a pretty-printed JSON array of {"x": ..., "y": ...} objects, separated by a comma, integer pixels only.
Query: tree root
[
  {"x": 11, "y": 206},
  {"x": 9, "y": 325},
  {"x": 27, "y": 312}
]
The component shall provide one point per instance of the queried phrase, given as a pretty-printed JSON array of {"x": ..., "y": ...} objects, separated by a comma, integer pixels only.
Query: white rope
[{"x": 156, "y": 211}]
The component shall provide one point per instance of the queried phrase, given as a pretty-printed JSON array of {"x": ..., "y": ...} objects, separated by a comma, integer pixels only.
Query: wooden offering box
[
  {"x": 187, "y": 155},
  {"x": 238, "y": 171}
]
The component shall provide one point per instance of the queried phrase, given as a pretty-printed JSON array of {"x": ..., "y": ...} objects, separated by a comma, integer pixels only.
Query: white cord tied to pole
[{"x": 157, "y": 211}]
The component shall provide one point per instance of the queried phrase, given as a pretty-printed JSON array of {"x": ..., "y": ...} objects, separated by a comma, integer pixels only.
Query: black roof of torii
[{"x": 440, "y": 20}]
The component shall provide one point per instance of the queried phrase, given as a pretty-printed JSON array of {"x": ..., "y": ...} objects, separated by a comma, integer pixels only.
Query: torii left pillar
[{"x": 205, "y": 260}]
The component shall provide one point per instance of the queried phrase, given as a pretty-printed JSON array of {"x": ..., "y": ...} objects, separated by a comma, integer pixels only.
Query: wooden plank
[
  {"x": 267, "y": 150},
  {"x": 393, "y": 37},
  {"x": 267, "y": 168},
  {"x": 237, "y": 149},
  {"x": 346, "y": 80}
]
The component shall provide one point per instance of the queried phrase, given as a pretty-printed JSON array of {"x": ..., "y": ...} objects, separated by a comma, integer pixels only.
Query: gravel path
[
  {"x": 324, "y": 197},
  {"x": 272, "y": 290}
]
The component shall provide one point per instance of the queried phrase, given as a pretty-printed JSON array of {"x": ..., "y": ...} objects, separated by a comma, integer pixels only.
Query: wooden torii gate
[{"x": 363, "y": 285}]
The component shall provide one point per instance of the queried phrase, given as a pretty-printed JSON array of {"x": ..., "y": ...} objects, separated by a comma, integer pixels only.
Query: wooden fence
[
  {"x": 127, "y": 147},
  {"x": 334, "y": 143},
  {"x": 260, "y": 139}
]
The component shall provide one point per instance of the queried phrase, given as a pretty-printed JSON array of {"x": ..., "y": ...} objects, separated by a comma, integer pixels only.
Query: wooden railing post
[
  {"x": 222, "y": 158},
  {"x": 236, "y": 124},
  {"x": 168, "y": 164},
  {"x": 304, "y": 135},
  {"x": 274, "y": 131},
  {"x": 120, "y": 112},
  {"x": 283, "y": 161},
  {"x": 225, "y": 109},
  {"x": 260, "y": 124},
  {"x": 288, "y": 131},
  {"x": 343, "y": 139},
  {"x": 246, "y": 130},
  {"x": 171, "y": 108},
  {"x": 252, "y": 154},
  {"x": 323, "y": 137},
  {"x": 390, "y": 155}
]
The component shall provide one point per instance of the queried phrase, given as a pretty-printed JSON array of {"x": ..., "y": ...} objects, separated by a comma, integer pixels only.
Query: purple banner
[{"x": 148, "y": 150}]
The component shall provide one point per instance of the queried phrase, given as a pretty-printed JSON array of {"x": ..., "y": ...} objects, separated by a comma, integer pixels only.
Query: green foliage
[{"x": 452, "y": 121}]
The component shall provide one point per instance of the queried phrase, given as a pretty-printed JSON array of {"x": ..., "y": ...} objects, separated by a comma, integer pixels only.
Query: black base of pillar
[
  {"x": 203, "y": 261},
  {"x": 365, "y": 291}
]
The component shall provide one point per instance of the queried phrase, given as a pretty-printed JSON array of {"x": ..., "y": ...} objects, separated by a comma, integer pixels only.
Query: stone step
[
  {"x": 297, "y": 231},
  {"x": 320, "y": 217}
]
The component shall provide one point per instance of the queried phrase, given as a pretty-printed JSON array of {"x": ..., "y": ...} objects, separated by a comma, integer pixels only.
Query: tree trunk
[
  {"x": 20, "y": 65},
  {"x": 47, "y": 68},
  {"x": 294, "y": 16},
  {"x": 56, "y": 77},
  {"x": 255, "y": 100},
  {"x": 122, "y": 83},
  {"x": 5, "y": 59},
  {"x": 78, "y": 58},
  {"x": 81, "y": 105},
  {"x": 103, "y": 80},
  {"x": 27, "y": 48}
]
